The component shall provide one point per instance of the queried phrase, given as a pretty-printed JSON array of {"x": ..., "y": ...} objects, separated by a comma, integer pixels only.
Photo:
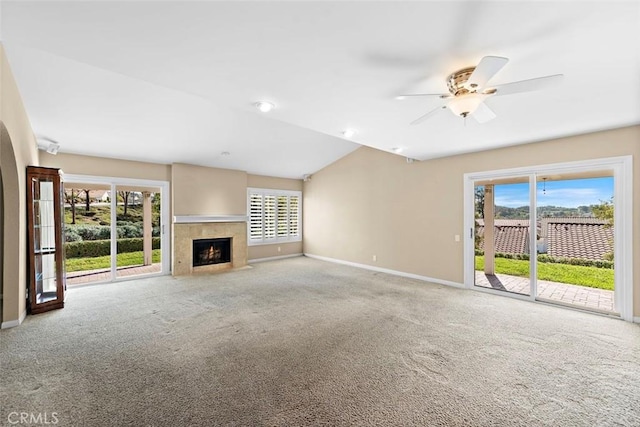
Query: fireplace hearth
[{"x": 211, "y": 251}]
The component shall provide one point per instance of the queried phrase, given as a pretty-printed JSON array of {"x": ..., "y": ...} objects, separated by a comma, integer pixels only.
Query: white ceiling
[{"x": 175, "y": 81}]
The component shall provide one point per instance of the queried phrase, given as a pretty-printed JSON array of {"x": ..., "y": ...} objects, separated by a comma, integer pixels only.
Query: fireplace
[
  {"x": 211, "y": 251},
  {"x": 188, "y": 229}
]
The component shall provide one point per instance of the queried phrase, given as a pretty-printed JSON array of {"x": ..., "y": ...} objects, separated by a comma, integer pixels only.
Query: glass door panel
[
  {"x": 502, "y": 236},
  {"x": 575, "y": 242},
  {"x": 138, "y": 231},
  {"x": 87, "y": 233}
]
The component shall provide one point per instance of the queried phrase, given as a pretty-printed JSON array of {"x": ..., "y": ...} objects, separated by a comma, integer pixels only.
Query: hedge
[
  {"x": 124, "y": 229},
  {"x": 599, "y": 263},
  {"x": 94, "y": 248}
]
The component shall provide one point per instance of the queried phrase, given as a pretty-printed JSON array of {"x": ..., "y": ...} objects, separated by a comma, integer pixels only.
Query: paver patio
[
  {"x": 103, "y": 275},
  {"x": 581, "y": 296}
]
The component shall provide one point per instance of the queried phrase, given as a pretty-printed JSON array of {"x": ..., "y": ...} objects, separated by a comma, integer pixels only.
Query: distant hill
[{"x": 543, "y": 211}]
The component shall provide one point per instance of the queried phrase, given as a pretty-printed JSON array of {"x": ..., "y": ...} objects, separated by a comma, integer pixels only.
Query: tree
[
  {"x": 604, "y": 211},
  {"x": 479, "y": 198},
  {"x": 125, "y": 199},
  {"x": 71, "y": 198},
  {"x": 87, "y": 200}
]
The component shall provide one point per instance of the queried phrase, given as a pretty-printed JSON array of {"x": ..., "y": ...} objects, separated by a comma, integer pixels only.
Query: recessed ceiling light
[
  {"x": 265, "y": 106},
  {"x": 349, "y": 133},
  {"x": 225, "y": 153},
  {"x": 397, "y": 149},
  {"x": 401, "y": 97}
]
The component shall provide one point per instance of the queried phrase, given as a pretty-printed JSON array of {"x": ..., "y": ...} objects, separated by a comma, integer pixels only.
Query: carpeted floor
[{"x": 303, "y": 342}]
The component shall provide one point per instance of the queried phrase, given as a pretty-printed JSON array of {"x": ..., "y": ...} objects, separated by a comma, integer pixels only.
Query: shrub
[
  {"x": 71, "y": 235},
  {"x": 576, "y": 261},
  {"x": 599, "y": 263},
  {"x": 95, "y": 248},
  {"x": 129, "y": 230},
  {"x": 89, "y": 232}
]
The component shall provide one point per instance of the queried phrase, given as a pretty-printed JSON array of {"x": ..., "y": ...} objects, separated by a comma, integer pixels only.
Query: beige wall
[
  {"x": 260, "y": 181},
  {"x": 200, "y": 190},
  {"x": 17, "y": 150},
  {"x": 100, "y": 166},
  {"x": 374, "y": 203},
  {"x": 280, "y": 249}
]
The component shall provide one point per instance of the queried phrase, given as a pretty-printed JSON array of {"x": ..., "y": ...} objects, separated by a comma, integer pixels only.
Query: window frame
[{"x": 264, "y": 192}]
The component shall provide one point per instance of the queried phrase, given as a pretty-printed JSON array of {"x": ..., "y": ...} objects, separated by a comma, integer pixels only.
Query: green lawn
[
  {"x": 591, "y": 277},
  {"x": 95, "y": 263}
]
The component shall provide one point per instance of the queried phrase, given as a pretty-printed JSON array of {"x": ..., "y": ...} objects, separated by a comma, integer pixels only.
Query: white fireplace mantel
[{"x": 191, "y": 219}]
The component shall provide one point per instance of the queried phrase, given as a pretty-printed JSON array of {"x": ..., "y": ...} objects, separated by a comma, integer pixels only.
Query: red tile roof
[
  {"x": 510, "y": 239},
  {"x": 580, "y": 237},
  {"x": 589, "y": 241}
]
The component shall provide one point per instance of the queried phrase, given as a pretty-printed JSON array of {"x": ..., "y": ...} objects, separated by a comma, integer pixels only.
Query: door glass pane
[
  {"x": 87, "y": 233},
  {"x": 575, "y": 242},
  {"x": 138, "y": 231},
  {"x": 502, "y": 222}
]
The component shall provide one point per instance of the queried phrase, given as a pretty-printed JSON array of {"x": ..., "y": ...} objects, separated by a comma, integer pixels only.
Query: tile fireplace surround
[{"x": 188, "y": 228}]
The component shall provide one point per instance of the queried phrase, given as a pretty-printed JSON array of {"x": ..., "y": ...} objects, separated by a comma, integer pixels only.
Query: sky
[{"x": 568, "y": 193}]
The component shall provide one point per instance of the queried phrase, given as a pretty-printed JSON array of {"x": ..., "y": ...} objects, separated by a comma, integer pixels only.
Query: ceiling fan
[{"x": 468, "y": 90}]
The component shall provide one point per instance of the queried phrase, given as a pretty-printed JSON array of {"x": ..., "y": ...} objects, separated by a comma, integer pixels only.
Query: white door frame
[
  {"x": 113, "y": 182},
  {"x": 623, "y": 219}
]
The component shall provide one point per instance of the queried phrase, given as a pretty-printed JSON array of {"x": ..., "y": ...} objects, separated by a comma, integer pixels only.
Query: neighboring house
[
  {"x": 570, "y": 237},
  {"x": 511, "y": 235},
  {"x": 578, "y": 239},
  {"x": 99, "y": 196}
]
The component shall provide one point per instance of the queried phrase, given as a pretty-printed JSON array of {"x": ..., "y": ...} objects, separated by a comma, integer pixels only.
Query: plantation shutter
[
  {"x": 274, "y": 216},
  {"x": 283, "y": 214},
  {"x": 294, "y": 217},
  {"x": 255, "y": 216},
  {"x": 269, "y": 217}
]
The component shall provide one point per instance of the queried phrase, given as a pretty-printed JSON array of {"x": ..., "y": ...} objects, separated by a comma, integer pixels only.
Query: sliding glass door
[
  {"x": 553, "y": 233},
  {"x": 502, "y": 235},
  {"x": 138, "y": 227},
  {"x": 576, "y": 239},
  {"x": 87, "y": 232},
  {"x": 114, "y": 228}
]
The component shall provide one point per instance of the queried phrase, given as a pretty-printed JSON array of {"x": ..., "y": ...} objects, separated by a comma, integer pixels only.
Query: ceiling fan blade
[
  {"x": 487, "y": 68},
  {"x": 417, "y": 95},
  {"x": 528, "y": 85},
  {"x": 483, "y": 113},
  {"x": 426, "y": 116}
]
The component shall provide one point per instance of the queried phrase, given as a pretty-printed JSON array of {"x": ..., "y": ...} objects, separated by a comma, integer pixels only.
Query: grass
[
  {"x": 592, "y": 277},
  {"x": 100, "y": 262}
]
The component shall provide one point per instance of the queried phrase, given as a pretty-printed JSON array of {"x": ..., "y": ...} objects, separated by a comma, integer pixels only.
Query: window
[{"x": 274, "y": 215}]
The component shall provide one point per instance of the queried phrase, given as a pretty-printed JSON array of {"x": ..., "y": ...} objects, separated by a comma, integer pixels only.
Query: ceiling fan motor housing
[{"x": 457, "y": 82}]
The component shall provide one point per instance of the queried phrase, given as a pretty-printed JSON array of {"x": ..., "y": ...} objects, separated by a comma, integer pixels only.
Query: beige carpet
[{"x": 303, "y": 342}]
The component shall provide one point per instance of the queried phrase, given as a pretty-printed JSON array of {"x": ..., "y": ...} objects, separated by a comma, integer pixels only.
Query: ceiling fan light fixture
[
  {"x": 264, "y": 106},
  {"x": 463, "y": 105}
]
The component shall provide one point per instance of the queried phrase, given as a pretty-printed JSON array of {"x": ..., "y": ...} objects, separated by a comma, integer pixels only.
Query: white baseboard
[
  {"x": 636, "y": 319},
  {"x": 389, "y": 271},
  {"x": 273, "y": 258},
  {"x": 14, "y": 323}
]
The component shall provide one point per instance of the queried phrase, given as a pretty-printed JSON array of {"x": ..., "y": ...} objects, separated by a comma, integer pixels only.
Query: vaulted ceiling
[{"x": 176, "y": 81}]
